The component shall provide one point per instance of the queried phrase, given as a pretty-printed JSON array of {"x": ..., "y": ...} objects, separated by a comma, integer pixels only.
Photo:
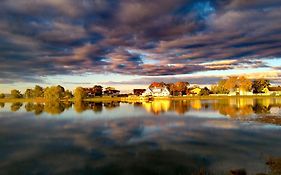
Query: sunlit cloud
[{"x": 137, "y": 38}]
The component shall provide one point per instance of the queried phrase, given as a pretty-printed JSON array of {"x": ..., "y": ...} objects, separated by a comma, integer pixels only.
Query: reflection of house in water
[
  {"x": 157, "y": 107},
  {"x": 196, "y": 104},
  {"x": 241, "y": 102},
  {"x": 162, "y": 106},
  {"x": 239, "y": 91}
]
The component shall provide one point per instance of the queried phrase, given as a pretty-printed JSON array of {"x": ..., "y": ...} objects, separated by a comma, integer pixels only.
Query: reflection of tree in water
[
  {"x": 54, "y": 107},
  {"x": 97, "y": 107},
  {"x": 37, "y": 108},
  {"x": 261, "y": 109},
  {"x": 111, "y": 105},
  {"x": 2, "y": 105},
  {"x": 16, "y": 106},
  {"x": 67, "y": 104},
  {"x": 180, "y": 107},
  {"x": 157, "y": 107},
  {"x": 80, "y": 106},
  {"x": 234, "y": 110}
]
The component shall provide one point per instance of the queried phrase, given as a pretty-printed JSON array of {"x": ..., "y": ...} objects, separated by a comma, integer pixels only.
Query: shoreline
[{"x": 139, "y": 98}]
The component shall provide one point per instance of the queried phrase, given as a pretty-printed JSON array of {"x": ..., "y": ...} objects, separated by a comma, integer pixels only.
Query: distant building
[
  {"x": 194, "y": 91},
  {"x": 138, "y": 92},
  {"x": 272, "y": 90},
  {"x": 157, "y": 90},
  {"x": 239, "y": 91}
]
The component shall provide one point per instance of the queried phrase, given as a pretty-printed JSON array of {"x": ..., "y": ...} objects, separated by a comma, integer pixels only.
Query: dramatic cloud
[{"x": 134, "y": 37}]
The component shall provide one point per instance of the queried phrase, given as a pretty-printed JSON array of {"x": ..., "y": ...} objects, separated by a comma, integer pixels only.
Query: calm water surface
[{"x": 159, "y": 137}]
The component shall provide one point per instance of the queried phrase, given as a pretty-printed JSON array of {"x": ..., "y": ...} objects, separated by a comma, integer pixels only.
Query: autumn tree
[
  {"x": 235, "y": 82},
  {"x": 16, "y": 94},
  {"x": 172, "y": 88},
  {"x": 79, "y": 94},
  {"x": 220, "y": 88},
  {"x": 244, "y": 83},
  {"x": 259, "y": 85},
  {"x": 181, "y": 87}
]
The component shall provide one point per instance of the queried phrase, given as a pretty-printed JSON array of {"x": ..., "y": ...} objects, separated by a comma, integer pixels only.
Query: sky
[{"x": 130, "y": 43}]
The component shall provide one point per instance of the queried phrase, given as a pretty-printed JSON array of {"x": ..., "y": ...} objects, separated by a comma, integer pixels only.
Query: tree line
[
  {"x": 222, "y": 87},
  {"x": 242, "y": 83},
  {"x": 179, "y": 88},
  {"x": 53, "y": 92},
  {"x": 56, "y": 93}
]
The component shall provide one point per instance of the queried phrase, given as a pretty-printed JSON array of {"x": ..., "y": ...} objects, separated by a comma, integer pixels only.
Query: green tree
[
  {"x": 53, "y": 93},
  {"x": 38, "y": 91},
  {"x": 259, "y": 85},
  {"x": 205, "y": 91},
  {"x": 2, "y": 105},
  {"x": 2, "y": 95},
  {"x": 68, "y": 94},
  {"x": 16, "y": 94},
  {"x": 98, "y": 90},
  {"x": 79, "y": 94},
  {"x": 28, "y": 93}
]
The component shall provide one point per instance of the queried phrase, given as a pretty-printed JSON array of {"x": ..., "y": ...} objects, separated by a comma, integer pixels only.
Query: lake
[{"x": 143, "y": 138}]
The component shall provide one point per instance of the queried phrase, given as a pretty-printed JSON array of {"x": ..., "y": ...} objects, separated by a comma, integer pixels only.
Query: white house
[{"x": 157, "y": 91}]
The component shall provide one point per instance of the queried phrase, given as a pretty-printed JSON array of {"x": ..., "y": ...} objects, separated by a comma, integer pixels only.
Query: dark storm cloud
[{"x": 50, "y": 37}]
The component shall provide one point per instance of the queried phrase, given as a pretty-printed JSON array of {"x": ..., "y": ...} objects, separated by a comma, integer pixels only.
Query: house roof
[
  {"x": 274, "y": 88},
  {"x": 157, "y": 85}
]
